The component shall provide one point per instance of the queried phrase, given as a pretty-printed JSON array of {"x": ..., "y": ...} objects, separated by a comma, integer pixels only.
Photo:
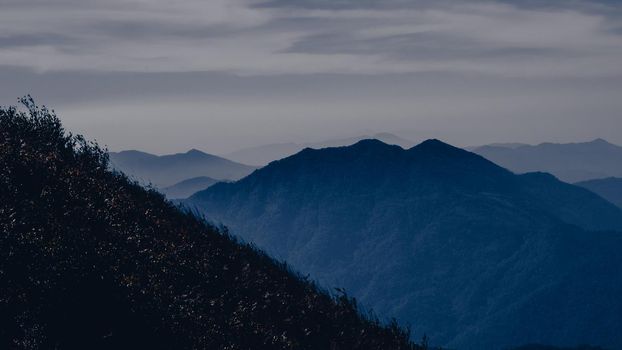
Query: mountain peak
[
  {"x": 371, "y": 143},
  {"x": 198, "y": 155},
  {"x": 195, "y": 151},
  {"x": 373, "y": 147},
  {"x": 434, "y": 143},
  {"x": 437, "y": 147},
  {"x": 600, "y": 141},
  {"x": 364, "y": 147},
  {"x": 133, "y": 153},
  {"x": 130, "y": 151}
]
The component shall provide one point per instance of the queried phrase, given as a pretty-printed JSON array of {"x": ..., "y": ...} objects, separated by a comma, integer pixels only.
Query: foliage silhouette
[{"x": 89, "y": 259}]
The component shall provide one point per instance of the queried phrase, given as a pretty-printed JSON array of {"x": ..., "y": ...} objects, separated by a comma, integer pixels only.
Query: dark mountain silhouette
[
  {"x": 167, "y": 170},
  {"x": 186, "y": 188},
  {"x": 477, "y": 257},
  {"x": 547, "y": 347},
  {"x": 609, "y": 188},
  {"x": 265, "y": 154},
  {"x": 90, "y": 260},
  {"x": 571, "y": 162}
]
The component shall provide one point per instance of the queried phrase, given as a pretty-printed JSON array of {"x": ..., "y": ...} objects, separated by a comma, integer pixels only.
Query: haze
[{"x": 221, "y": 75}]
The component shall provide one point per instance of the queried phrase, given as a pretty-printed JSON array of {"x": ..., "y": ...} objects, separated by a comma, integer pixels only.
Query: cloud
[
  {"x": 484, "y": 37},
  {"x": 249, "y": 37},
  {"x": 221, "y": 74}
]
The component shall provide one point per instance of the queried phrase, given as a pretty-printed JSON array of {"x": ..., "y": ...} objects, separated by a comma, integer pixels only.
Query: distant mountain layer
[
  {"x": 90, "y": 260},
  {"x": 168, "y": 170},
  {"x": 265, "y": 154},
  {"x": 188, "y": 187},
  {"x": 462, "y": 249},
  {"x": 608, "y": 188},
  {"x": 570, "y": 162}
]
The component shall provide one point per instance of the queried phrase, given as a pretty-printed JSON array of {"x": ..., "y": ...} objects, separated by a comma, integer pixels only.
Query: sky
[{"x": 219, "y": 75}]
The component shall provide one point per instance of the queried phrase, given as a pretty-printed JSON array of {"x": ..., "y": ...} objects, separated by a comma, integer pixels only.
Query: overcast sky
[{"x": 166, "y": 76}]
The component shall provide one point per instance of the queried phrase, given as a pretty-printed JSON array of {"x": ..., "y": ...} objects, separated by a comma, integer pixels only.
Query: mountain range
[
  {"x": 462, "y": 249},
  {"x": 570, "y": 162},
  {"x": 186, "y": 188},
  {"x": 265, "y": 154},
  {"x": 548, "y": 347},
  {"x": 92, "y": 260},
  {"x": 609, "y": 188},
  {"x": 168, "y": 170}
]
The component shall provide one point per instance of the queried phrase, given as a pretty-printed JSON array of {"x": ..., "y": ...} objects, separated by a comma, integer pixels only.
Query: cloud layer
[
  {"x": 304, "y": 37},
  {"x": 224, "y": 74}
]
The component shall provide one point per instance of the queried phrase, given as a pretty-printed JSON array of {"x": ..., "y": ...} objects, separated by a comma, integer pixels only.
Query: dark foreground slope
[
  {"x": 477, "y": 257},
  {"x": 546, "y": 347},
  {"x": 89, "y": 260}
]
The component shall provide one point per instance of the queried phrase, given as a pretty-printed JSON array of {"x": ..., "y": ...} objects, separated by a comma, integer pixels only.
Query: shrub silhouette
[{"x": 91, "y": 260}]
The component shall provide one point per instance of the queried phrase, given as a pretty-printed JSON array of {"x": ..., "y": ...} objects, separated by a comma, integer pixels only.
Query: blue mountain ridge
[{"x": 464, "y": 250}]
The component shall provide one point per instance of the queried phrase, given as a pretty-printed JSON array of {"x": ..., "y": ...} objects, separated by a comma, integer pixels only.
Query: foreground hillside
[
  {"x": 546, "y": 347},
  {"x": 571, "y": 162},
  {"x": 89, "y": 260},
  {"x": 464, "y": 250}
]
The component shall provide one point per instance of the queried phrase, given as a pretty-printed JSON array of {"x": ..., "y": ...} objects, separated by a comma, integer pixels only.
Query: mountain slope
[
  {"x": 571, "y": 162},
  {"x": 265, "y": 154},
  {"x": 168, "y": 170},
  {"x": 186, "y": 188},
  {"x": 609, "y": 188},
  {"x": 461, "y": 248},
  {"x": 89, "y": 260},
  {"x": 545, "y": 347}
]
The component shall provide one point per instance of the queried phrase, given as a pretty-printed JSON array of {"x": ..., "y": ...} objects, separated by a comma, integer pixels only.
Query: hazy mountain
[
  {"x": 508, "y": 144},
  {"x": 188, "y": 187},
  {"x": 265, "y": 154},
  {"x": 609, "y": 188},
  {"x": 511, "y": 145},
  {"x": 90, "y": 260},
  {"x": 168, "y": 170},
  {"x": 462, "y": 249},
  {"x": 571, "y": 162}
]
